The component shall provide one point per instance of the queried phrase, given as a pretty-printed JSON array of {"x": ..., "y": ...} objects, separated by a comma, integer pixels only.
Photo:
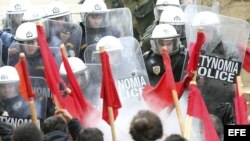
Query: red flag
[
  {"x": 25, "y": 87},
  {"x": 195, "y": 52},
  {"x": 108, "y": 90},
  {"x": 51, "y": 70},
  {"x": 84, "y": 110},
  {"x": 198, "y": 109},
  {"x": 246, "y": 62},
  {"x": 240, "y": 105},
  {"x": 160, "y": 96}
]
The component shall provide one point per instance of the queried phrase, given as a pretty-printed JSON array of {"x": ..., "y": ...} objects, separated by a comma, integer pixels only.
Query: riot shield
[
  {"x": 1, "y": 49},
  {"x": 66, "y": 33},
  {"x": 129, "y": 73},
  {"x": 220, "y": 60},
  {"x": 15, "y": 110},
  {"x": 98, "y": 25},
  {"x": 190, "y": 11},
  {"x": 33, "y": 57},
  {"x": 92, "y": 87}
]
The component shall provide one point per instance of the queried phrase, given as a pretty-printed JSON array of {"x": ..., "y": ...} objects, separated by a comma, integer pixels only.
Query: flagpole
[
  {"x": 178, "y": 111},
  {"x": 240, "y": 85},
  {"x": 31, "y": 99},
  {"x": 188, "y": 124},
  {"x": 177, "y": 106},
  {"x": 110, "y": 110}
]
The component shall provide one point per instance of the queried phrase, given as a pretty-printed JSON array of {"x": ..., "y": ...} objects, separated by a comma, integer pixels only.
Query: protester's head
[
  {"x": 27, "y": 132},
  {"x": 9, "y": 82},
  {"x": 165, "y": 35},
  {"x": 146, "y": 126},
  {"x": 175, "y": 137},
  {"x": 218, "y": 126},
  {"x": 90, "y": 134},
  {"x": 6, "y": 131},
  {"x": 94, "y": 12},
  {"x": 54, "y": 123},
  {"x": 79, "y": 69},
  {"x": 26, "y": 35}
]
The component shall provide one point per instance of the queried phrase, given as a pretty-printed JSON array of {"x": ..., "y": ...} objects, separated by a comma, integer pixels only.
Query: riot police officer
[
  {"x": 161, "y": 5},
  {"x": 164, "y": 35},
  {"x": 14, "y": 14},
  {"x": 26, "y": 41},
  {"x": 11, "y": 101},
  {"x": 84, "y": 78},
  {"x": 95, "y": 18},
  {"x": 217, "y": 94},
  {"x": 175, "y": 16},
  {"x": 14, "y": 17},
  {"x": 60, "y": 28}
]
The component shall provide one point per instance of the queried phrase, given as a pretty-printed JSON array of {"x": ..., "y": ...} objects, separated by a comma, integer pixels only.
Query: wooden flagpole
[{"x": 110, "y": 110}]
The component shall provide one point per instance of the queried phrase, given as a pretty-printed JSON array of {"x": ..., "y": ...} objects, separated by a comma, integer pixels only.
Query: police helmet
[
  {"x": 9, "y": 78},
  {"x": 165, "y": 34},
  {"x": 162, "y": 4},
  {"x": 26, "y": 32},
  {"x": 93, "y": 7},
  {"x": 175, "y": 16},
  {"x": 79, "y": 69},
  {"x": 110, "y": 43},
  {"x": 57, "y": 10}
]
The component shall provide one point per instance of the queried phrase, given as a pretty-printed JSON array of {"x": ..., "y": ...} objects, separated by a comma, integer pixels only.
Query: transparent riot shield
[
  {"x": 42, "y": 92},
  {"x": 89, "y": 81},
  {"x": 98, "y": 25},
  {"x": 129, "y": 73},
  {"x": 1, "y": 49},
  {"x": 15, "y": 109},
  {"x": 69, "y": 34},
  {"x": 190, "y": 12},
  {"x": 33, "y": 57},
  {"x": 220, "y": 60}
]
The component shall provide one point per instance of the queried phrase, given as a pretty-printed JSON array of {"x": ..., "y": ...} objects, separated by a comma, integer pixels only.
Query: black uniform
[
  {"x": 155, "y": 67},
  {"x": 15, "y": 106}
]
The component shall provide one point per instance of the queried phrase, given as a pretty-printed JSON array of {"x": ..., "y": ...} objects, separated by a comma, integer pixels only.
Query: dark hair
[
  {"x": 146, "y": 126},
  {"x": 6, "y": 131},
  {"x": 27, "y": 132},
  {"x": 90, "y": 134},
  {"x": 175, "y": 137},
  {"x": 54, "y": 123}
]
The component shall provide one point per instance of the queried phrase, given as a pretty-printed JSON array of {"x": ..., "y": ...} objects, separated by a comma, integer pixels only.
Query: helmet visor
[{"x": 171, "y": 45}]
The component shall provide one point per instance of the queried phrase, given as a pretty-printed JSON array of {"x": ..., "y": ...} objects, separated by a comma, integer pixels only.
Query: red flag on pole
[
  {"x": 108, "y": 90},
  {"x": 240, "y": 105},
  {"x": 25, "y": 87},
  {"x": 246, "y": 61},
  {"x": 85, "y": 110},
  {"x": 198, "y": 109},
  {"x": 160, "y": 96},
  {"x": 195, "y": 52},
  {"x": 51, "y": 69}
]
